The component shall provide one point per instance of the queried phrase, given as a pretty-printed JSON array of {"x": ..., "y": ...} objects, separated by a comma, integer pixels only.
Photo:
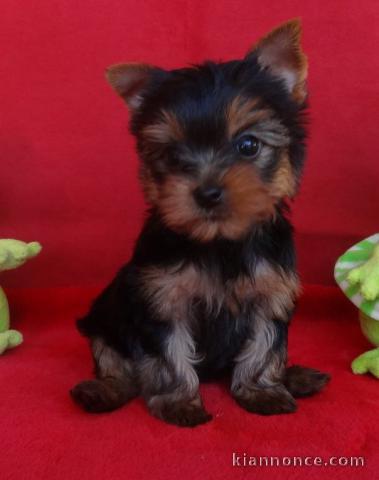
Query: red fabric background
[
  {"x": 68, "y": 167},
  {"x": 68, "y": 179}
]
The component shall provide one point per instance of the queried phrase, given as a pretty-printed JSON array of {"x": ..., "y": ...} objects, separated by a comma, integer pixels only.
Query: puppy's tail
[{"x": 303, "y": 381}]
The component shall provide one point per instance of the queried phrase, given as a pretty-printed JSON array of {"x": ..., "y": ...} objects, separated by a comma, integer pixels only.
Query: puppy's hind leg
[{"x": 115, "y": 382}]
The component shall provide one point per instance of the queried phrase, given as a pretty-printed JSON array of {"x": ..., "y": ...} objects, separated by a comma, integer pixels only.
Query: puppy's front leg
[
  {"x": 260, "y": 367},
  {"x": 170, "y": 384},
  {"x": 168, "y": 380}
]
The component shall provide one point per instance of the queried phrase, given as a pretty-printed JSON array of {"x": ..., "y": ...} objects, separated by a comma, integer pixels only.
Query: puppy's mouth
[
  {"x": 214, "y": 214},
  {"x": 227, "y": 208}
]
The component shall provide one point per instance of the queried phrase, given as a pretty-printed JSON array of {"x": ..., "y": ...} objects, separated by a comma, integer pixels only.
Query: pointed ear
[
  {"x": 281, "y": 53},
  {"x": 129, "y": 80}
]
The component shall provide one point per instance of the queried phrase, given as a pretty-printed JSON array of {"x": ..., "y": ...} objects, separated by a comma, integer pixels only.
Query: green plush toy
[
  {"x": 357, "y": 273},
  {"x": 13, "y": 253}
]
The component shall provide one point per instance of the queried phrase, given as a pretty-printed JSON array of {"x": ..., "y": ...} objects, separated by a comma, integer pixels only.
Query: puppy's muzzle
[{"x": 209, "y": 196}]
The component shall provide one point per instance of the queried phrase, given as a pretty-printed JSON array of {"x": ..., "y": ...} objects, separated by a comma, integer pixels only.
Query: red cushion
[{"x": 44, "y": 435}]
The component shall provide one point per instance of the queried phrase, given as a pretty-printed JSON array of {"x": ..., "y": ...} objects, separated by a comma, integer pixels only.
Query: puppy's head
[{"x": 220, "y": 143}]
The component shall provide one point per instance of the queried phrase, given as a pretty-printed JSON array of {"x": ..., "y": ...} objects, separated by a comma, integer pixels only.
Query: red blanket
[{"x": 45, "y": 436}]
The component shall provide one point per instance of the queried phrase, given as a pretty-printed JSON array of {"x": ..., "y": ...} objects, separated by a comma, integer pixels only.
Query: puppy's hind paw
[
  {"x": 266, "y": 401},
  {"x": 304, "y": 381},
  {"x": 96, "y": 396}
]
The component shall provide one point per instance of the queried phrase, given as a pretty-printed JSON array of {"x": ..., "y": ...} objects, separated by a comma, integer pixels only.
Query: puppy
[{"x": 211, "y": 285}]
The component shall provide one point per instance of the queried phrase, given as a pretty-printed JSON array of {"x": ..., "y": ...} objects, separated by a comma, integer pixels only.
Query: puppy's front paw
[
  {"x": 185, "y": 415},
  {"x": 265, "y": 401},
  {"x": 182, "y": 413}
]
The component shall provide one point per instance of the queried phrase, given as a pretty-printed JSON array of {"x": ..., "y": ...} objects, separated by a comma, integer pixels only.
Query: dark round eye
[
  {"x": 248, "y": 146},
  {"x": 188, "y": 168}
]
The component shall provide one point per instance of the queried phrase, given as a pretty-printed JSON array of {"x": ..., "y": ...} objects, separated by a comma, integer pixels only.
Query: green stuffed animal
[
  {"x": 357, "y": 273},
  {"x": 13, "y": 253}
]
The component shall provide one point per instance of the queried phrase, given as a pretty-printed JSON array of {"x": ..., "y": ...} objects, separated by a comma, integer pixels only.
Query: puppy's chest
[{"x": 175, "y": 293}]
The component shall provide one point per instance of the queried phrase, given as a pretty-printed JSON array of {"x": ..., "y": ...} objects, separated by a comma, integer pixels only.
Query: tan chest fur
[{"x": 172, "y": 291}]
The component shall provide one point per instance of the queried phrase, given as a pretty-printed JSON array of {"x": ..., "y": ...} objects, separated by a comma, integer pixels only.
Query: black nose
[{"x": 208, "y": 197}]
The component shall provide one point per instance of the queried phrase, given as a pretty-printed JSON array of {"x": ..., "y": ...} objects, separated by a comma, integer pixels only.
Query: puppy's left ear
[
  {"x": 281, "y": 53},
  {"x": 130, "y": 80}
]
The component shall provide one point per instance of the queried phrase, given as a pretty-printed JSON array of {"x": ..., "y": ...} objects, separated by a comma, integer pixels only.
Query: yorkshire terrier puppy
[{"x": 212, "y": 284}]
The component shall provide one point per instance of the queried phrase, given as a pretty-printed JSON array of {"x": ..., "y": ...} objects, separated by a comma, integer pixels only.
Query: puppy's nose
[{"x": 209, "y": 196}]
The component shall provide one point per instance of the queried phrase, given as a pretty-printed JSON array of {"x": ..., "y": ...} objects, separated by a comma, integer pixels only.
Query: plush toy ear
[
  {"x": 129, "y": 81},
  {"x": 34, "y": 249},
  {"x": 281, "y": 53}
]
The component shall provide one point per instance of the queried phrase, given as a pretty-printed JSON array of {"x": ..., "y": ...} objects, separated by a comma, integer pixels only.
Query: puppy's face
[{"x": 220, "y": 144}]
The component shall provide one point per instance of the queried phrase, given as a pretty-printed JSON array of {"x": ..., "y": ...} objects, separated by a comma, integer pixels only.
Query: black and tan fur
[{"x": 211, "y": 286}]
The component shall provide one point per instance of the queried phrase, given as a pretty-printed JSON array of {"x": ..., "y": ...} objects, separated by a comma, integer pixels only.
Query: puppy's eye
[
  {"x": 248, "y": 146},
  {"x": 180, "y": 166},
  {"x": 188, "y": 168}
]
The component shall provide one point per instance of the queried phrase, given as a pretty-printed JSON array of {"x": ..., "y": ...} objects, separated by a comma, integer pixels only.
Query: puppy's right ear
[
  {"x": 281, "y": 54},
  {"x": 129, "y": 80}
]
